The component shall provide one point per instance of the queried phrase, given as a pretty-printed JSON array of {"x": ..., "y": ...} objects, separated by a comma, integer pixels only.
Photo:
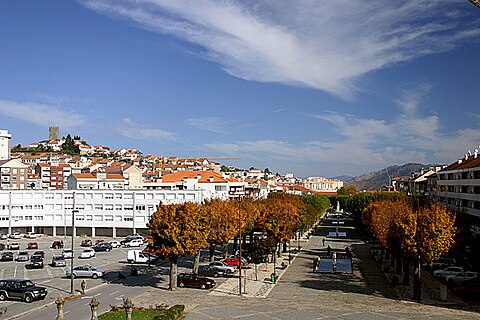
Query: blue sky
[{"x": 318, "y": 88}]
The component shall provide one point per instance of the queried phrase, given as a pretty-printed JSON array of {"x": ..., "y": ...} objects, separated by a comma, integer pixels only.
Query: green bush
[{"x": 172, "y": 313}]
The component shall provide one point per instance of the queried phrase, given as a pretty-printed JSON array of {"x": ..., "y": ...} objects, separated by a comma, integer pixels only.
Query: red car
[
  {"x": 32, "y": 245},
  {"x": 232, "y": 261},
  {"x": 86, "y": 243},
  {"x": 100, "y": 241}
]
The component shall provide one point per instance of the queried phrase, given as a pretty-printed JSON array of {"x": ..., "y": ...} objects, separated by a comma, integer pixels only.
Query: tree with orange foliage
[
  {"x": 221, "y": 222},
  {"x": 427, "y": 234},
  {"x": 176, "y": 230}
]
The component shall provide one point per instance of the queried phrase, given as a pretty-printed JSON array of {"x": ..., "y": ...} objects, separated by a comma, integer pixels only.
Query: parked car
[
  {"x": 232, "y": 261},
  {"x": 57, "y": 244},
  {"x": 2, "y": 246},
  {"x": 16, "y": 235},
  {"x": 456, "y": 279},
  {"x": 130, "y": 238},
  {"x": 134, "y": 243},
  {"x": 442, "y": 263},
  {"x": 58, "y": 261},
  {"x": 86, "y": 271},
  {"x": 39, "y": 253},
  {"x": 22, "y": 256},
  {"x": 443, "y": 273},
  {"x": 115, "y": 243},
  {"x": 86, "y": 243},
  {"x": 99, "y": 241},
  {"x": 32, "y": 245},
  {"x": 67, "y": 253},
  {"x": 35, "y": 262},
  {"x": 219, "y": 265},
  {"x": 14, "y": 246},
  {"x": 31, "y": 235},
  {"x": 102, "y": 247},
  {"x": 192, "y": 280},
  {"x": 469, "y": 289},
  {"x": 87, "y": 253},
  {"x": 6, "y": 256},
  {"x": 138, "y": 256},
  {"x": 3, "y": 236},
  {"x": 208, "y": 271},
  {"x": 24, "y": 290}
]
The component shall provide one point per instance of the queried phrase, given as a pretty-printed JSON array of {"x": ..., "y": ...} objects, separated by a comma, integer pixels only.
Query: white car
[
  {"x": 115, "y": 244},
  {"x": 31, "y": 235},
  {"x": 67, "y": 253},
  {"x": 449, "y": 271},
  {"x": 3, "y": 236},
  {"x": 134, "y": 243},
  {"x": 14, "y": 246},
  {"x": 87, "y": 253},
  {"x": 460, "y": 277},
  {"x": 16, "y": 235}
]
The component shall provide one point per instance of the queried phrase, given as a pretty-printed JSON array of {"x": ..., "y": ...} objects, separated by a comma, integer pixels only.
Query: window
[
  {"x": 99, "y": 207},
  {"x": 109, "y": 207},
  {"x": 128, "y": 207},
  {"x": 108, "y": 218},
  {"x": 118, "y": 207},
  {"x": 108, "y": 195},
  {"x": 127, "y": 219},
  {"x": 118, "y": 196},
  {"x": 38, "y": 217},
  {"x": 140, "y": 207}
]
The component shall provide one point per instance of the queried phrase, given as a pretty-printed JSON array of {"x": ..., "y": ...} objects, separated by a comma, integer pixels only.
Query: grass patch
[{"x": 172, "y": 313}]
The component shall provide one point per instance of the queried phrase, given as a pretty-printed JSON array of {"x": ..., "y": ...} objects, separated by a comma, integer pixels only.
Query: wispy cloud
[
  {"x": 325, "y": 45},
  {"x": 213, "y": 124},
  {"x": 42, "y": 114},
  {"x": 354, "y": 144},
  {"x": 132, "y": 130}
]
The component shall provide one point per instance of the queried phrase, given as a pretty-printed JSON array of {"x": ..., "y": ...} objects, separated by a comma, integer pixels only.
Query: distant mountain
[
  {"x": 378, "y": 179},
  {"x": 343, "y": 178}
]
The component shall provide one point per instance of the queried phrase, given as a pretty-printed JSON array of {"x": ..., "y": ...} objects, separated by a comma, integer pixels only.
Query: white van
[{"x": 137, "y": 256}]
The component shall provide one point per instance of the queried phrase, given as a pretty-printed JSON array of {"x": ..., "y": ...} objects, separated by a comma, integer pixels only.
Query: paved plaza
[{"x": 303, "y": 294}]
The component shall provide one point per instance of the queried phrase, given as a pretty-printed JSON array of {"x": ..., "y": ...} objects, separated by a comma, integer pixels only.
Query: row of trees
[
  {"x": 419, "y": 233},
  {"x": 178, "y": 230}
]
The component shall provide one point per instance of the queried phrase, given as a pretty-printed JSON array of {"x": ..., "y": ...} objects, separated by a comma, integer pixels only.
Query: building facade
[
  {"x": 13, "y": 175},
  {"x": 5, "y": 144},
  {"x": 94, "y": 212}
]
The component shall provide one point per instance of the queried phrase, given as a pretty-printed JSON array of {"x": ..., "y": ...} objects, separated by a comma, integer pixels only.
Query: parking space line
[
  {"x": 49, "y": 271},
  {"x": 110, "y": 294},
  {"x": 2, "y": 271},
  {"x": 15, "y": 271},
  {"x": 25, "y": 273}
]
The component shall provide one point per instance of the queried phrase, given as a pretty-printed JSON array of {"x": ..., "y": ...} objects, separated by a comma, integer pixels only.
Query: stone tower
[{"x": 53, "y": 133}]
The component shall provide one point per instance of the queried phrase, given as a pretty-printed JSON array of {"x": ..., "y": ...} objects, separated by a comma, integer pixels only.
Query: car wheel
[
  {"x": 181, "y": 285},
  {"x": 215, "y": 274},
  {"x": 94, "y": 276},
  {"x": 28, "y": 298},
  {"x": 108, "y": 250},
  {"x": 3, "y": 296},
  {"x": 202, "y": 286}
]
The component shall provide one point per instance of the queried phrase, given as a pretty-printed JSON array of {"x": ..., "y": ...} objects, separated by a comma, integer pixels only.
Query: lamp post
[
  {"x": 73, "y": 255},
  {"x": 238, "y": 193}
]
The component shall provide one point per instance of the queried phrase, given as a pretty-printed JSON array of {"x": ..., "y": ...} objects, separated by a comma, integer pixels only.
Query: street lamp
[
  {"x": 73, "y": 255},
  {"x": 238, "y": 194}
]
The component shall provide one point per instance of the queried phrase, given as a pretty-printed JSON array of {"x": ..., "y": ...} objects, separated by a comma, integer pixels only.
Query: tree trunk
[
  {"x": 196, "y": 262},
  {"x": 173, "y": 274},
  {"x": 417, "y": 281},
  {"x": 225, "y": 251},
  {"x": 235, "y": 244},
  {"x": 284, "y": 247},
  {"x": 398, "y": 268},
  {"x": 278, "y": 249},
  {"x": 406, "y": 271},
  {"x": 212, "y": 251}
]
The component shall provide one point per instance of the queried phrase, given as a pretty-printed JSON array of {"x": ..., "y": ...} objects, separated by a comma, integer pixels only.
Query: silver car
[
  {"x": 58, "y": 261},
  {"x": 22, "y": 256},
  {"x": 86, "y": 271}
]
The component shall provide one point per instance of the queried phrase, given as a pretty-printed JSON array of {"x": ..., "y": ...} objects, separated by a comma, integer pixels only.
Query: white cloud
[
  {"x": 42, "y": 114},
  {"x": 133, "y": 130},
  {"x": 325, "y": 45},
  {"x": 213, "y": 124}
]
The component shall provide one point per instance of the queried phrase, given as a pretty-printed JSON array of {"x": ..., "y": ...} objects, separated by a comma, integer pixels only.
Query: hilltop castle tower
[{"x": 53, "y": 133}]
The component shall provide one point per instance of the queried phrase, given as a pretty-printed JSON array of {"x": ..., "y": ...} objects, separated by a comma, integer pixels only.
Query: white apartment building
[
  {"x": 322, "y": 184},
  {"x": 458, "y": 187},
  {"x": 5, "y": 144},
  {"x": 95, "y": 212}
]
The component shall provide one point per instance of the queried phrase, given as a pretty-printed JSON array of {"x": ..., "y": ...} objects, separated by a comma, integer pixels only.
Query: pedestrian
[
  {"x": 328, "y": 250},
  {"x": 323, "y": 241},
  {"x": 83, "y": 286}
]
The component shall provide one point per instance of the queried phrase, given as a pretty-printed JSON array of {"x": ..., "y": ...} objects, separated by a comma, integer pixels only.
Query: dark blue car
[{"x": 102, "y": 247}]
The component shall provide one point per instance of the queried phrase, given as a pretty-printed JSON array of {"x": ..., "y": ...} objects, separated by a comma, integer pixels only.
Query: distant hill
[
  {"x": 343, "y": 178},
  {"x": 378, "y": 179}
]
